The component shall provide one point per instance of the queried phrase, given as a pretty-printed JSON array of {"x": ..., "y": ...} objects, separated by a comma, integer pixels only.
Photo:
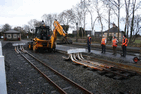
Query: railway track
[
  {"x": 101, "y": 66},
  {"x": 62, "y": 84}
]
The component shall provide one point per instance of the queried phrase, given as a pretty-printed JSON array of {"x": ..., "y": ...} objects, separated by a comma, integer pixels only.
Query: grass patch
[{"x": 137, "y": 41}]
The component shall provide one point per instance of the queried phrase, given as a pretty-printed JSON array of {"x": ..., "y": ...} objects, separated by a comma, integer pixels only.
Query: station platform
[{"x": 3, "y": 88}]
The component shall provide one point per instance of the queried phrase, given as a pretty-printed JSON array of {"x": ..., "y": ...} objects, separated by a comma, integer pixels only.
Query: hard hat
[{"x": 88, "y": 35}]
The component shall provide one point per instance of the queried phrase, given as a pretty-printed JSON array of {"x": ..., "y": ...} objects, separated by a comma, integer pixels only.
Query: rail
[{"x": 21, "y": 51}]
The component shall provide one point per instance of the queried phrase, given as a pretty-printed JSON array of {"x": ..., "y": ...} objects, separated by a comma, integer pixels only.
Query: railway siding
[{"x": 125, "y": 63}]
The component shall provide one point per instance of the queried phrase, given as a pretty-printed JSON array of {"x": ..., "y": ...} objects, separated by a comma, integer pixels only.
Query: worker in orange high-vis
[
  {"x": 89, "y": 43},
  {"x": 115, "y": 42},
  {"x": 103, "y": 44},
  {"x": 124, "y": 45}
]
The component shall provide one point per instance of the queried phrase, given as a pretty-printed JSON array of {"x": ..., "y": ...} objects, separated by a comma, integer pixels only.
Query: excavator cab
[
  {"x": 41, "y": 39},
  {"x": 42, "y": 32}
]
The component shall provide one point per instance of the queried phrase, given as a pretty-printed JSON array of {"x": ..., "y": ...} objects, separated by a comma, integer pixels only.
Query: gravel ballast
[{"x": 23, "y": 79}]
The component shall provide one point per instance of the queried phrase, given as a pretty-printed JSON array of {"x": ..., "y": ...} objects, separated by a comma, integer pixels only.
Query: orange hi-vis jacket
[
  {"x": 90, "y": 40},
  {"x": 115, "y": 42},
  {"x": 125, "y": 42},
  {"x": 103, "y": 41}
]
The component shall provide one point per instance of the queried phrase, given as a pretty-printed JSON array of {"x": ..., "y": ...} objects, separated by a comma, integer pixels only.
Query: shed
[{"x": 12, "y": 35}]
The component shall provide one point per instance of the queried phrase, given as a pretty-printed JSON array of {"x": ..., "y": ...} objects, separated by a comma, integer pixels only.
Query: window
[
  {"x": 42, "y": 34},
  {"x": 8, "y": 36},
  {"x": 14, "y": 36}
]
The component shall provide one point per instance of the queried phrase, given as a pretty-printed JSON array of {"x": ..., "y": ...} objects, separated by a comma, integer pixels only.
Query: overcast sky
[{"x": 19, "y": 12}]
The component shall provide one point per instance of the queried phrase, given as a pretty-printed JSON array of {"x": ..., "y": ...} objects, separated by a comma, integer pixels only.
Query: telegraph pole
[
  {"x": 77, "y": 32},
  {"x": 84, "y": 19}
]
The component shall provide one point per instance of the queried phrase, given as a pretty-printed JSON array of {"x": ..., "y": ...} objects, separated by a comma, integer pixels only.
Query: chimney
[{"x": 114, "y": 24}]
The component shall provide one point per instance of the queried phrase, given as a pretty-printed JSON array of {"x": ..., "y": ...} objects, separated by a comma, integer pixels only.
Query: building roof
[
  {"x": 112, "y": 30},
  {"x": 98, "y": 32},
  {"x": 12, "y": 31}
]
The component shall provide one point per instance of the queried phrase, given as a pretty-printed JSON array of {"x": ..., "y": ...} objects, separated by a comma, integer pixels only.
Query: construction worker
[
  {"x": 89, "y": 43},
  {"x": 124, "y": 45},
  {"x": 115, "y": 41},
  {"x": 103, "y": 44}
]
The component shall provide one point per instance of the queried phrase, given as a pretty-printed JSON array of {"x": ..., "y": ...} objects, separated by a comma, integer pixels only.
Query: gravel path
[{"x": 23, "y": 79}]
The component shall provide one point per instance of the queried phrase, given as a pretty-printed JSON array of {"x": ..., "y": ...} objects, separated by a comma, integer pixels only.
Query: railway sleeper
[
  {"x": 127, "y": 74},
  {"x": 124, "y": 70},
  {"x": 117, "y": 77},
  {"x": 101, "y": 72},
  {"x": 110, "y": 75},
  {"x": 78, "y": 58}
]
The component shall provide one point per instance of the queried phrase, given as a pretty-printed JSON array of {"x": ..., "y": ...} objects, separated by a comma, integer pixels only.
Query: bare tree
[
  {"x": 134, "y": 8},
  {"x": 98, "y": 8},
  {"x": 78, "y": 17},
  {"x": 18, "y": 28},
  {"x": 6, "y": 27},
  {"x": 117, "y": 4},
  {"x": 109, "y": 7},
  {"x": 131, "y": 6},
  {"x": 127, "y": 7},
  {"x": 49, "y": 19},
  {"x": 22, "y": 31},
  {"x": 32, "y": 23},
  {"x": 136, "y": 28},
  {"x": 26, "y": 28},
  {"x": 90, "y": 10},
  {"x": 37, "y": 23},
  {"x": 66, "y": 17}
]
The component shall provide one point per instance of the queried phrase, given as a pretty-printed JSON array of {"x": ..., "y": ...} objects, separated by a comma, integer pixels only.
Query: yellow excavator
[{"x": 43, "y": 40}]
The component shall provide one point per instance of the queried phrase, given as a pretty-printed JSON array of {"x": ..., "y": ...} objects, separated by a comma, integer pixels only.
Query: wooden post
[{"x": 140, "y": 50}]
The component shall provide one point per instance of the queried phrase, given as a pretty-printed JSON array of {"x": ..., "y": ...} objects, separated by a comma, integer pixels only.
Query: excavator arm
[{"x": 57, "y": 28}]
